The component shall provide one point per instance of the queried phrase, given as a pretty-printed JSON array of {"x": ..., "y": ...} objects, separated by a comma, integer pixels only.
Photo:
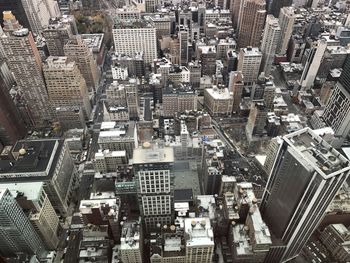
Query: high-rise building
[
  {"x": 251, "y": 23},
  {"x": 140, "y": 35},
  {"x": 24, "y": 61},
  {"x": 199, "y": 241},
  {"x": 236, "y": 86},
  {"x": 16, "y": 232},
  {"x": 306, "y": 175},
  {"x": 256, "y": 120},
  {"x": 12, "y": 127},
  {"x": 33, "y": 200},
  {"x": 183, "y": 39},
  {"x": 39, "y": 12},
  {"x": 313, "y": 62},
  {"x": 337, "y": 110},
  {"x": 43, "y": 160},
  {"x": 17, "y": 9},
  {"x": 131, "y": 242},
  {"x": 65, "y": 85},
  {"x": 153, "y": 169},
  {"x": 208, "y": 59},
  {"x": 56, "y": 36},
  {"x": 235, "y": 12},
  {"x": 218, "y": 101},
  {"x": 286, "y": 21},
  {"x": 76, "y": 50},
  {"x": 270, "y": 41},
  {"x": 276, "y": 6},
  {"x": 249, "y": 60}
]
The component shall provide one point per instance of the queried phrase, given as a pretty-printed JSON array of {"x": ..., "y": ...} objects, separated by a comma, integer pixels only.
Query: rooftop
[
  {"x": 219, "y": 94},
  {"x": 153, "y": 155},
  {"x": 31, "y": 190},
  {"x": 93, "y": 41},
  {"x": 199, "y": 231},
  {"x": 33, "y": 158},
  {"x": 317, "y": 153}
]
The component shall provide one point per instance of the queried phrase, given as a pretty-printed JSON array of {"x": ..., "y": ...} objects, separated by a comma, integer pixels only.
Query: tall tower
[
  {"x": 271, "y": 38},
  {"x": 153, "y": 168},
  {"x": 313, "y": 63},
  {"x": 24, "y": 61},
  {"x": 286, "y": 20},
  {"x": 251, "y": 23},
  {"x": 249, "y": 60},
  {"x": 16, "y": 7},
  {"x": 12, "y": 127},
  {"x": 39, "y": 12},
  {"x": 76, "y": 50},
  {"x": 306, "y": 175},
  {"x": 17, "y": 235},
  {"x": 236, "y": 85},
  {"x": 183, "y": 39},
  {"x": 65, "y": 85},
  {"x": 337, "y": 111},
  {"x": 276, "y": 6}
]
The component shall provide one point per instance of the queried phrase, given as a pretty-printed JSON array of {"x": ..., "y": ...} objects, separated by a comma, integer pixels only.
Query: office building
[
  {"x": 12, "y": 127},
  {"x": 251, "y": 23},
  {"x": 131, "y": 242},
  {"x": 153, "y": 169},
  {"x": 56, "y": 35},
  {"x": 17, "y": 9},
  {"x": 256, "y": 120},
  {"x": 33, "y": 200},
  {"x": 39, "y": 13},
  {"x": 178, "y": 100},
  {"x": 236, "y": 86},
  {"x": 183, "y": 39},
  {"x": 275, "y": 7},
  {"x": 286, "y": 20},
  {"x": 118, "y": 137},
  {"x": 76, "y": 50},
  {"x": 249, "y": 60},
  {"x": 312, "y": 64},
  {"x": 306, "y": 175},
  {"x": 199, "y": 240},
  {"x": 24, "y": 61},
  {"x": 336, "y": 238},
  {"x": 270, "y": 41},
  {"x": 16, "y": 232},
  {"x": 140, "y": 35},
  {"x": 337, "y": 111},
  {"x": 110, "y": 161},
  {"x": 65, "y": 85},
  {"x": 43, "y": 160},
  {"x": 134, "y": 64},
  {"x": 218, "y": 101},
  {"x": 208, "y": 59}
]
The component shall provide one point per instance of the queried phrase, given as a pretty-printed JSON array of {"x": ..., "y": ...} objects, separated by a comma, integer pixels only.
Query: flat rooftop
[
  {"x": 153, "y": 155},
  {"x": 33, "y": 158},
  {"x": 219, "y": 94},
  {"x": 93, "y": 41},
  {"x": 317, "y": 153},
  {"x": 200, "y": 231},
  {"x": 31, "y": 190}
]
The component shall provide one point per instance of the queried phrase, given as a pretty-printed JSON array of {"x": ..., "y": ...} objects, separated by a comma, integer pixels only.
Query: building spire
[{"x": 10, "y": 22}]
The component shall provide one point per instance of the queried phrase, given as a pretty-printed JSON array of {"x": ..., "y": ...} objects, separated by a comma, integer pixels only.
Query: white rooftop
[
  {"x": 153, "y": 155},
  {"x": 31, "y": 190},
  {"x": 199, "y": 231}
]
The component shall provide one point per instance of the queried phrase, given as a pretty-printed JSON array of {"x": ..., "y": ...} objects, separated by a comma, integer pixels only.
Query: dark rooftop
[{"x": 183, "y": 195}]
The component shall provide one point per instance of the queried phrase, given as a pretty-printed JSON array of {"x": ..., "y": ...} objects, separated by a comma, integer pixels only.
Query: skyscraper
[
  {"x": 251, "y": 23},
  {"x": 16, "y": 6},
  {"x": 236, "y": 85},
  {"x": 12, "y": 127},
  {"x": 313, "y": 63},
  {"x": 65, "y": 85},
  {"x": 39, "y": 12},
  {"x": 57, "y": 35},
  {"x": 286, "y": 21},
  {"x": 76, "y": 50},
  {"x": 306, "y": 175},
  {"x": 17, "y": 235},
  {"x": 249, "y": 60},
  {"x": 153, "y": 169},
  {"x": 271, "y": 38},
  {"x": 24, "y": 61},
  {"x": 183, "y": 39},
  {"x": 140, "y": 35},
  {"x": 337, "y": 111},
  {"x": 275, "y": 6}
]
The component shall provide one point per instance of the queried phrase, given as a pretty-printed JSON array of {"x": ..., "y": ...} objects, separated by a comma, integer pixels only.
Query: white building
[
  {"x": 135, "y": 36},
  {"x": 286, "y": 21},
  {"x": 200, "y": 240},
  {"x": 249, "y": 60},
  {"x": 218, "y": 101},
  {"x": 131, "y": 242},
  {"x": 271, "y": 38}
]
